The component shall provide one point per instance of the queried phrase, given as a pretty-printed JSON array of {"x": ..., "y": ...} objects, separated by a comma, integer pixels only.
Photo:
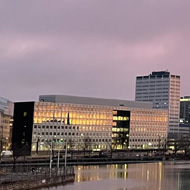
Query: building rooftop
[
  {"x": 94, "y": 101},
  {"x": 158, "y": 74},
  {"x": 6, "y": 106}
]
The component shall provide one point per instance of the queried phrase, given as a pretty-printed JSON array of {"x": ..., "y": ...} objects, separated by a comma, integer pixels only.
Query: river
[{"x": 174, "y": 175}]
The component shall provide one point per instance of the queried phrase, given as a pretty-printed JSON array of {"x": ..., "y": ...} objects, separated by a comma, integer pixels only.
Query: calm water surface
[{"x": 148, "y": 176}]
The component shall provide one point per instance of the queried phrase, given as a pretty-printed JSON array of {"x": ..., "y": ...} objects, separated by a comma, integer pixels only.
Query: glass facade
[{"x": 79, "y": 123}]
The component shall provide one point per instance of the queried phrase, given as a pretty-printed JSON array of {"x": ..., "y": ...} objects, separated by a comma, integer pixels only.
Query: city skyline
[{"x": 90, "y": 48}]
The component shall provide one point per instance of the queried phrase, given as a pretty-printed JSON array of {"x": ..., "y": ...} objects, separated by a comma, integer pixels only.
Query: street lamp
[
  {"x": 159, "y": 140},
  {"x": 50, "y": 163},
  {"x": 1, "y": 138}
]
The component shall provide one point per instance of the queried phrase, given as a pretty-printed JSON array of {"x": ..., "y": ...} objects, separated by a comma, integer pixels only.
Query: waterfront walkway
[{"x": 27, "y": 177}]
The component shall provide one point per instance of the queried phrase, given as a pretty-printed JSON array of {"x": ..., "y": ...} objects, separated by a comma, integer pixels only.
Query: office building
[
  {"x": 163, "y": 90},
  {"x": 91, "y": 123}
]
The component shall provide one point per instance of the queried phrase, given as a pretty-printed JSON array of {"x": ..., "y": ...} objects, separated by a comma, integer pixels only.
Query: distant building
[
  {"x": 163, "y": 90},
  {"x": 91, "y": 123},
  {"x": 6, "y": 115},
  {"x": 185, "y": 115}
]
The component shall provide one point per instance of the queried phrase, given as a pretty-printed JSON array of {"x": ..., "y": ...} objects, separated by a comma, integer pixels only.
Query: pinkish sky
[{"x": 90, "y": 47}]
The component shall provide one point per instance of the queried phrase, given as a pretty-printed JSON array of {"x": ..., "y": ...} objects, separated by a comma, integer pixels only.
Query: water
[{"x": 147, "y": 176}]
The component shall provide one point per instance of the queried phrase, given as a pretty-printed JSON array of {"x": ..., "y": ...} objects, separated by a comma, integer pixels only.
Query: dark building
[{"x": 22, "y": 128}]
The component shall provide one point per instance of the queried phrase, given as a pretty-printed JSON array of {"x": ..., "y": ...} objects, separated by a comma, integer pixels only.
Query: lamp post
[
  {"x": 66, "y": 155},
  {"x": 50, "y": 163},
  {"x": 158, "y": 141},
  {"x": 37, "y": 146},
  {"x": 58, "y": 156},
  {"x": 1, "y": 138}
]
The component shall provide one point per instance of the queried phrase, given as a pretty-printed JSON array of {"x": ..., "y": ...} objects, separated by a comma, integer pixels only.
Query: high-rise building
[
  {"x": 163, "y": 89},
  {"x": 92, "y": 123}
]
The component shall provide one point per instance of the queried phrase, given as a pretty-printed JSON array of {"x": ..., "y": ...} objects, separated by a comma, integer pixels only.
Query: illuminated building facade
[
  {"x": 87, "y": 125},
  {"x": 163, "y": 90}
]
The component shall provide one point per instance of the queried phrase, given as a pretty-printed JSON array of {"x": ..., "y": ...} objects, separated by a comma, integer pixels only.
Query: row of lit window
[
  {"x": 149, "y": 134},
  {"x": 120, "y": 129},
  {"x": 55, "y": 127},
  {"x": 137, "y": 126},
  {"x": 120, "y": 118},
  {"x": 74, "y": 115},
  {"x": 76, "y": 140},
  {"x": 77, "y": 121},
  {"x": 150, "y": 114},
  {"x": 133, "y": 118},
  {"x": 91, "y": 128},
  {"x": 149, "y": 129},
  {"x": 70, "y": 133},
  {"x": 144, "y": 140},
  {"x": 71, "y": 108}
]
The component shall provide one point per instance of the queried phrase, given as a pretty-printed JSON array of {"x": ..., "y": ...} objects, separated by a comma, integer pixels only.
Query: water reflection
[{"x": 147, "y": 176}]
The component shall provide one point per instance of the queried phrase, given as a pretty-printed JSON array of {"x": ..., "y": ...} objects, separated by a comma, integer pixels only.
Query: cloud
[
  {"x": 20, "y": 46},
  {"x": 90, "y": 47}
]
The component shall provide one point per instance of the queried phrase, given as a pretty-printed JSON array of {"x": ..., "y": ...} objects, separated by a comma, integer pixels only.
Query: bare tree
[
  {"x": 111, "y": 147},
  {"x": 20, "y": 150},
  {"x": 87, "y": 144},
  {"x": 51, "y": 145},
  {"x": 71, "y": 144}
]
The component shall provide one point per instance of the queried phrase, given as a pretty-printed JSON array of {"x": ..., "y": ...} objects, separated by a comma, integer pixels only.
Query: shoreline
[{"x": 87, "y": 162}]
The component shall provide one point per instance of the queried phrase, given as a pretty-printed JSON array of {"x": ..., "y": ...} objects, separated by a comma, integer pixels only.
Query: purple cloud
[{"x": 90, "y": 47}]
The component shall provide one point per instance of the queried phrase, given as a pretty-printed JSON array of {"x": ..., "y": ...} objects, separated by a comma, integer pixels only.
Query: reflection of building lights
[{"x": 148, "y": 175}]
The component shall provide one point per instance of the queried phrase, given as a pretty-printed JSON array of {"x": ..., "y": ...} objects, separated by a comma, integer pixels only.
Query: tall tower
[{"x": 163, "y": 89}]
